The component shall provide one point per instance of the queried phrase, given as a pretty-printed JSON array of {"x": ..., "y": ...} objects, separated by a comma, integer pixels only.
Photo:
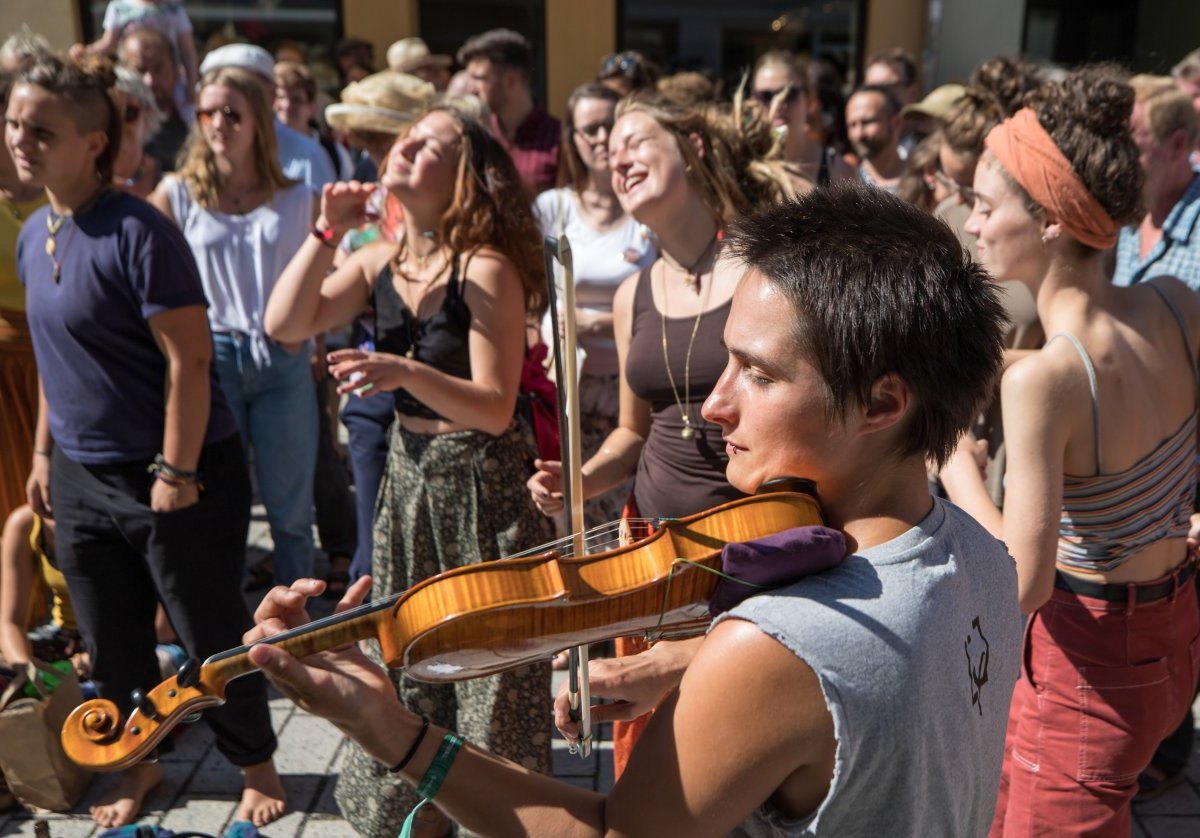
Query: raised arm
[{"x": 311, "y": 295}]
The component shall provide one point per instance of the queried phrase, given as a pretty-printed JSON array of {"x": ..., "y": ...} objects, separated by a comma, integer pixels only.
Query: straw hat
[
  {"x": 410, "y": 54},
  {"x": 938, "y": 103},
  {"x": 384, "y": 102}
]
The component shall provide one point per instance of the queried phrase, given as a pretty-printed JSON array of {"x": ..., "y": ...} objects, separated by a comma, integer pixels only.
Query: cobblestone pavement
[{"x": 200, "y": 789}]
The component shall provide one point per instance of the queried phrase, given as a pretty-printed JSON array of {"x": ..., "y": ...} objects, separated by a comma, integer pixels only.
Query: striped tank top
[{"x": 1107, "y": 518}]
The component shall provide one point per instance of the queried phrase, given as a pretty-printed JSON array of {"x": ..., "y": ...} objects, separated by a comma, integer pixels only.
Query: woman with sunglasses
[
  {"x": 1101, "y": 428},
  {"x": 672, "y": 171},
  {"x": 244, "y": 220},
  {"x": 134, "y": 171},
  {"x": 132, "y": 424},
  {"x": 451, "y": 301},
  {"x": 607, "y": 245},
  {"x": 781, "y": 81},
  {"x": 627, "y": 72}
]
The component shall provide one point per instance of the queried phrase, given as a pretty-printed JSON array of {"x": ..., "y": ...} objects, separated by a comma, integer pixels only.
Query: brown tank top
[{"x": 677, "y": 476}]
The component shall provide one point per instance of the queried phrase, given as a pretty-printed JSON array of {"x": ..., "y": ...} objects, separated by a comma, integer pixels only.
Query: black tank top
[
  {"x": 439, "y": 341},
  {"x": 677, "y": 476}
]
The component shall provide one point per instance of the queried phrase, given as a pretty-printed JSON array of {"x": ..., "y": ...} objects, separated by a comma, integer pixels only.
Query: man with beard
[{"x": 873, "y": 125}]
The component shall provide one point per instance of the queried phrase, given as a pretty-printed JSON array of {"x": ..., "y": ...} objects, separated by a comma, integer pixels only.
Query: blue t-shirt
[{"x": 122, "y": 263}]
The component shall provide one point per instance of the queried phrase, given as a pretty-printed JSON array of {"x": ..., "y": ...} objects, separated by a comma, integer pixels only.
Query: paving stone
[
  {"x": 302, "y": 791},
  {"x": 201, "y": 813},
  {"x": 309, "y": 746},
  {"x": 326, "y": 828},
  {"x": 192, "y": 742},
  {"x": 216, "y": 776},
  {"x": 325, "y": 804},
  {"x": 60, "y": 826}
]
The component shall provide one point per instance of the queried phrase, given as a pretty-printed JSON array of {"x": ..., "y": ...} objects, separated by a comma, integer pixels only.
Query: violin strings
[{"x": 596, "y": 540}]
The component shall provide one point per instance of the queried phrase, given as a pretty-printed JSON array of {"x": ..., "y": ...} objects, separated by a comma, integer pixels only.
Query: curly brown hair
[
  {"x": 489, "y": 207},
  {"x": 1087, "y": 116},
  {"x": 995, "y": 91}
]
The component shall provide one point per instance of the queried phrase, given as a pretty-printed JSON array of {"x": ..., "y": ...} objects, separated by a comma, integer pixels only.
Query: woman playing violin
[
  {"x": 451, "y": 302},
  {"x": 862, "y": 652}
]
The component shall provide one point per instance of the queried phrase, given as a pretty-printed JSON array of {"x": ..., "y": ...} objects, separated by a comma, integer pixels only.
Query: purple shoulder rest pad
[{"x": 775, "y": 561}]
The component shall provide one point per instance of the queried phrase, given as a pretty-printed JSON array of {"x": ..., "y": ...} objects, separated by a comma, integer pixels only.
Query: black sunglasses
[
  {"x": 232, "y": 118},
  {"x": 621, "y": 62},
  {"x": 766, "y": 97}
]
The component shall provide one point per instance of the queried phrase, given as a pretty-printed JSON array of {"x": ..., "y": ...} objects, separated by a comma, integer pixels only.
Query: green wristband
[{"x": 436, "y": 774}]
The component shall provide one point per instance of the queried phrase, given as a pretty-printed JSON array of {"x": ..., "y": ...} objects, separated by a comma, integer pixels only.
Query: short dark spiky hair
[
  {"x": 502, "y": 47},
  {"x": 880, "y": 287}
]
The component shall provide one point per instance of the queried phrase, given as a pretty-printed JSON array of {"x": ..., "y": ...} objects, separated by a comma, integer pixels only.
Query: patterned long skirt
[
  {"x": 446, "y": 501},
  {"x": 599, "y": 399}
]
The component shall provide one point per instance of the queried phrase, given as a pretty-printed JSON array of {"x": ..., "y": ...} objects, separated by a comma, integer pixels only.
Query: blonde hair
[
  {"x": 199, "y": 170},
  {"x": 1168, "y": 108},
  {"x": 741, "y": 168}
]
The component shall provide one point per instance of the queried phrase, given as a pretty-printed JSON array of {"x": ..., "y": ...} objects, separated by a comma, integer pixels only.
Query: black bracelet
[
  {"x": 412, "y": 752},
  {"x": 161, "y": 466},
  {"x": 43, "y": 452}
]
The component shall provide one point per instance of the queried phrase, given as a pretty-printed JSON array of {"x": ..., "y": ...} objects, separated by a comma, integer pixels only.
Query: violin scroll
[{"x": 94, "y": 737}]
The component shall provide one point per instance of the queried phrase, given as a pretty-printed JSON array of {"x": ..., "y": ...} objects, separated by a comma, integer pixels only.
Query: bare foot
[
  {"x": 123, "y": 804},
  {"x": 263, "y": 799}
]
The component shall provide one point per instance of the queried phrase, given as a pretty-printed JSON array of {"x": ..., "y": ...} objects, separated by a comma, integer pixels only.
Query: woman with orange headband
[{"x": 1101, "y": 429}]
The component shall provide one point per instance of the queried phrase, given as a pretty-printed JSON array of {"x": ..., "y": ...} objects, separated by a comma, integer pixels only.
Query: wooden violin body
[{"x": 476, "y": 620}]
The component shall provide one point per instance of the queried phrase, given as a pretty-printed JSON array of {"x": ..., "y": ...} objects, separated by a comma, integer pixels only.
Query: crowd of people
[{"x": 930, "y": 306}]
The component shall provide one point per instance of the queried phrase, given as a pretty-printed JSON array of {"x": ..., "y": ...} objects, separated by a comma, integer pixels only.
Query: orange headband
[{"x": 1027, "y": 151}]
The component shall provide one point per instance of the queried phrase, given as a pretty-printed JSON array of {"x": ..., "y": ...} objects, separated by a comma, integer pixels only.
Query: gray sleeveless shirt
[{"x": 916, "y": 643}]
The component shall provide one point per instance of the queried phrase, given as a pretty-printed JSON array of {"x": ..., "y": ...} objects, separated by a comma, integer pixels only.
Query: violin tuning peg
[
  {"x": 189, "y": 673},
  {"x": 144, "y": 705}
]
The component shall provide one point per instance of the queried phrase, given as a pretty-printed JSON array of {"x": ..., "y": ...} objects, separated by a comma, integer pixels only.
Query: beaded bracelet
[
  {"x": 412, "y": 751},
  {"x": 434, "y": 776}
]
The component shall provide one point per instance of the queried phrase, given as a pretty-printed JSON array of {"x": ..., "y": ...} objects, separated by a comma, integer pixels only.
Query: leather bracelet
[
  {"x": 42, "y": 452},
  {"x": 325, "y": 236},
  {"x": 412, "y": 751}
]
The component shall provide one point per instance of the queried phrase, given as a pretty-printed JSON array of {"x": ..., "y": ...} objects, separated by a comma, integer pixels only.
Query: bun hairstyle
[
  {"x": 1087, "y": 116},
  {"x": 995, "y": 91},
  {"x": 87, "y": 85}
]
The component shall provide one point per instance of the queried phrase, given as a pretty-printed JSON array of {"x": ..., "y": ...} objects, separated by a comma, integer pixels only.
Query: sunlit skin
[
  {"x": 293, "y": 108},
  {"x": 48, "y": 147},
  {"x": 647, "y": 168},
  {"x": 151, "y": 59},
  {"x": 872, "y": 130},
  {"x": 229, "y": 135},
  {"x": 1192, "y": 88},
  {"x": 1009, "y": 239}
]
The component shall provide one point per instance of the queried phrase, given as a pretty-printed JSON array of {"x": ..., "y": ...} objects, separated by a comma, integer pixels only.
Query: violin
[{"x": 477, "y": 620}]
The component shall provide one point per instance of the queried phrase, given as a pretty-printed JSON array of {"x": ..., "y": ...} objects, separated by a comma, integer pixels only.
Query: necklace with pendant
[
  {"x": 55, "y": 224},
  {"x": 690, "y": 275},
  {"x": 422, "y": 262},
  {"x": 687, "y": 432}
]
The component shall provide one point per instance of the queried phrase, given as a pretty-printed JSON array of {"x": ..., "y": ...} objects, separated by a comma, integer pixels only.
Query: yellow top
[
  {"x": 12, "y": 216},
  {"x": 52, "y": 578}
]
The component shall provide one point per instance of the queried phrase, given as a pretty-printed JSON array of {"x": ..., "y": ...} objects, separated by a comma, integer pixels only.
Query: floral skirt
[{"x": 446, "y": 501}]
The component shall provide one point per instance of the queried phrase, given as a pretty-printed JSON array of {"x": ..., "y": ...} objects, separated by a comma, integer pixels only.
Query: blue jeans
[{"x": 276, "y": 412}]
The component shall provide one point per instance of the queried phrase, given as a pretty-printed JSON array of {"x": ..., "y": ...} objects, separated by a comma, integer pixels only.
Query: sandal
[
  {"x": 338, "y": 577},
  {"x": 1154, "y": 782}
]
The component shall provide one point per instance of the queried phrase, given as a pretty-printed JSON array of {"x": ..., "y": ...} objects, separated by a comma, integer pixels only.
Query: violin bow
[{"x": 566, "y": 373}]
